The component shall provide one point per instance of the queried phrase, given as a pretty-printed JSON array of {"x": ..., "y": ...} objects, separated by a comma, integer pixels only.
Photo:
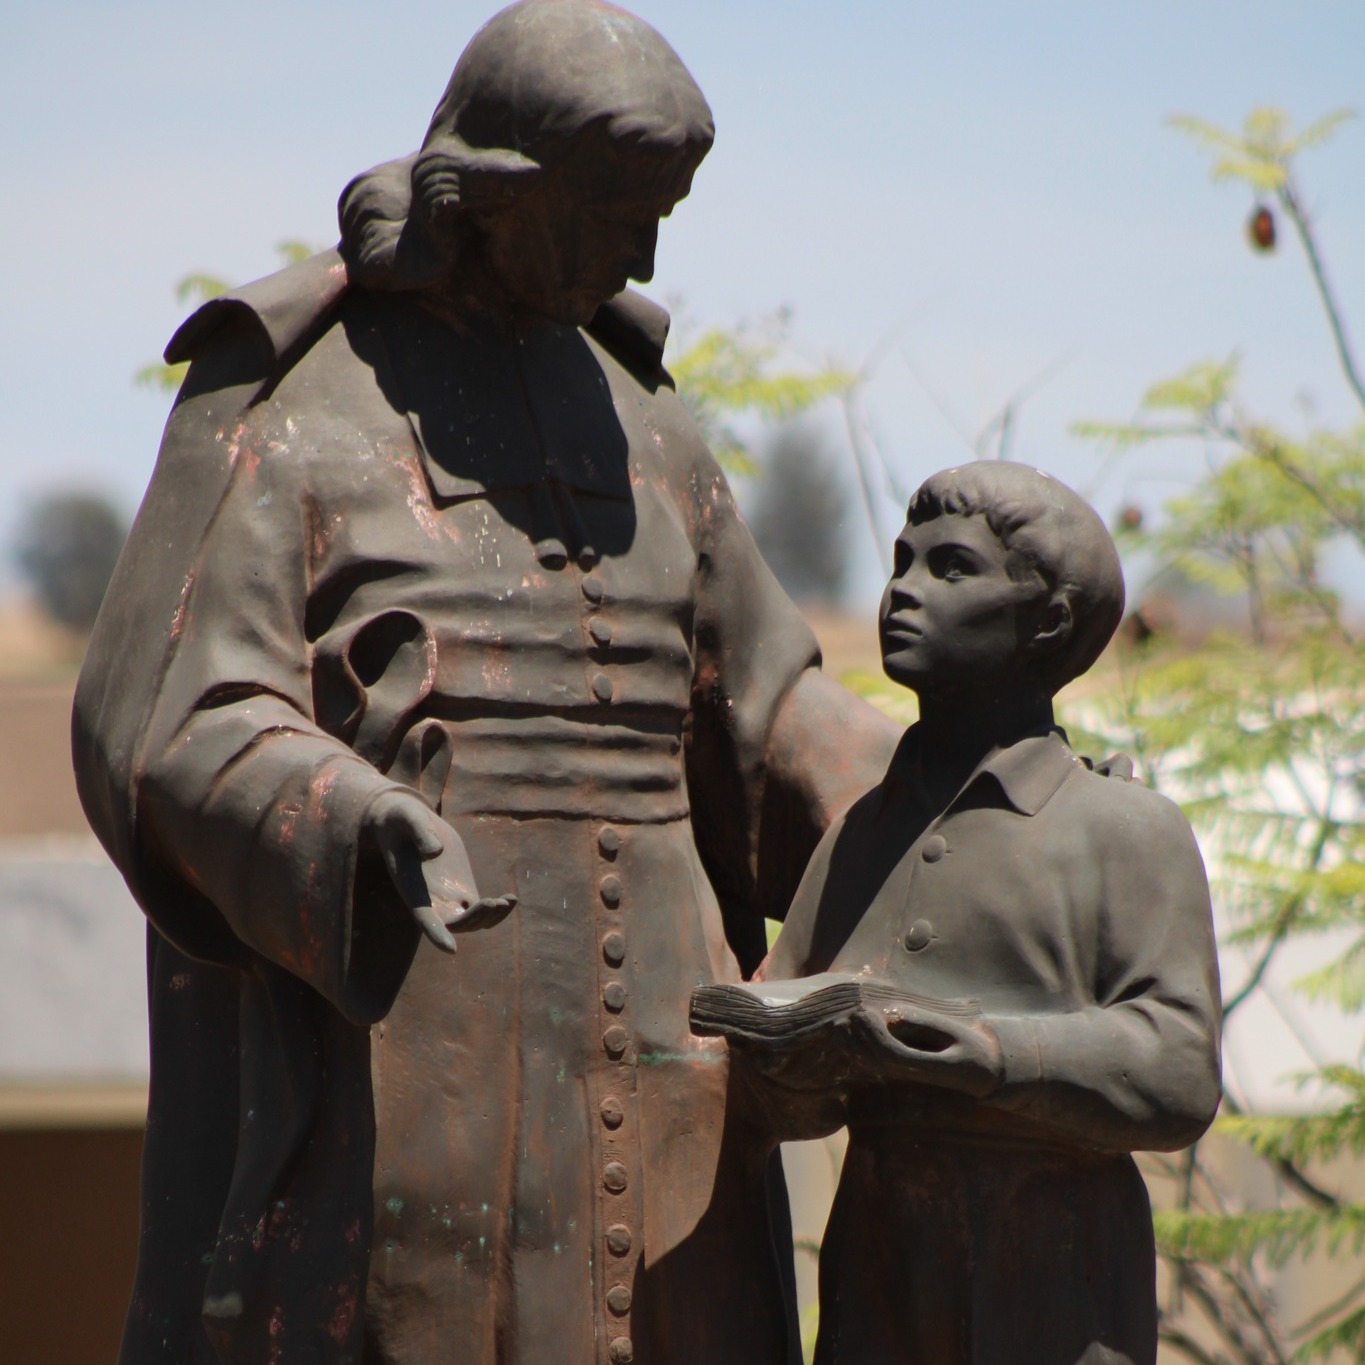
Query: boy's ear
[{"x": 1054, "y": 626}]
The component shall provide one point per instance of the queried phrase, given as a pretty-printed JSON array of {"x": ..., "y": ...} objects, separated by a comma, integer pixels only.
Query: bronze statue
[
  {"x": 439, "y": 616},
  {"x": 999, "y": 969}
]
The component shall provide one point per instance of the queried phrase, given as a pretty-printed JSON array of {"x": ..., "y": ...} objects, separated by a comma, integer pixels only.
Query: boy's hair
[{"x": 1055, "y": 532}]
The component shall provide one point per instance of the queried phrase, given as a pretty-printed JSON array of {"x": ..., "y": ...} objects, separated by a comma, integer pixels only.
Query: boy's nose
[{"x": 903, "y": 593}]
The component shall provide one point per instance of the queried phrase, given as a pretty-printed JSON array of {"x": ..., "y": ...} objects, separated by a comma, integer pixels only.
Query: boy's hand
[
  {"x": 935, "y": 1049},
  {"x": 429, "y": 867}
]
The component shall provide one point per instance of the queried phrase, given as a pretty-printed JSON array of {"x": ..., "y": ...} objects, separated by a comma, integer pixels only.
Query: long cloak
[{"x": 378, "y": 550}]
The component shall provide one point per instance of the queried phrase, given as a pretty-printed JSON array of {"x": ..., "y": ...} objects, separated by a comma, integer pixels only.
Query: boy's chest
[{"x": 986, "y": 903}]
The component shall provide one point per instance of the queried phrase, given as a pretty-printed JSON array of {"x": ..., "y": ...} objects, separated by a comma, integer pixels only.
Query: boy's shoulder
[
  {"x": 1108, "y": 792},
  {"x": 1132, "y": 830}
]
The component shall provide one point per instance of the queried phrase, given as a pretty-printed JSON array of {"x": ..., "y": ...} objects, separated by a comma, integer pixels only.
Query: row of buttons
[
  {"x": 921, "y": 933},
  {"x": 615, "y": 1042},
  {"x": 600, "y": 630}
]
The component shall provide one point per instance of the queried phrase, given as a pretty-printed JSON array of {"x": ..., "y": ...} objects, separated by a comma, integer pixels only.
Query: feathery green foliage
[
  {"x": 1260, "y": 734},
  {"x": 726, "y": 372}
]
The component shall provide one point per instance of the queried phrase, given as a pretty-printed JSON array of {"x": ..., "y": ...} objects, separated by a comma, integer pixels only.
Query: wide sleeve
[
  {"x": 777, "y": 749},
  {"x": 244, "y": 815},
  {"x": 1139, "y": 1068}
]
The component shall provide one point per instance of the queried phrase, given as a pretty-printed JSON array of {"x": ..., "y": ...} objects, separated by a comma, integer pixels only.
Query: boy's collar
[{"x": 1028, "y": 772}]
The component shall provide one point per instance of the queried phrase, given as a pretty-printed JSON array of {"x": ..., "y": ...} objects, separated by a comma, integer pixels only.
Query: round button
[
  {"x": 614, "y": 1177},
  {"x": 610, "y": 889},
  {"x": 618, "y": 1300},
  {"x": 615, "y": 1040},
  {"x": 614, "y": 947},
  {"x": 918, "y": 935},
  {"x": 935, "y": 846},
  {"x": 618, "y": 1239},
  {"x": 614, "y": 996},
  {"x": 609, "y": 841},
  {"x": 551, "y": 553},
  {"x": 587, "y": 558},
  {"x": 612, "y": 1111},
  {"x": 600, "y": 630},
  {"x": 601, "y": 687},
  {"x": 621, "y": 1351},
  {"x": 592, "y": 588}
]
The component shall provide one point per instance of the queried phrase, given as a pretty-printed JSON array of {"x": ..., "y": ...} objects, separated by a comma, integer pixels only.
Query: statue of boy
[
  {"x": 1029, "y": 951},
  {"x": 437, "y": 599}
]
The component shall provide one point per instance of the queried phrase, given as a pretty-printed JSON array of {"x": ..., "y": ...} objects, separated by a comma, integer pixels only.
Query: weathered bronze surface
[
  {"x": 999, "y": 970},
  {"x": 438, "y": 616}
]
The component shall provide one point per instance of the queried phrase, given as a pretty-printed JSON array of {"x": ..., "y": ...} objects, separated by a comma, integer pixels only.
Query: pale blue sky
[{"x": 999, "y": 170}]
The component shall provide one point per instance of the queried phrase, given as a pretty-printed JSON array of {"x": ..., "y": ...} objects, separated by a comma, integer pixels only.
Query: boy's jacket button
[{"x": 919, "y": 935}]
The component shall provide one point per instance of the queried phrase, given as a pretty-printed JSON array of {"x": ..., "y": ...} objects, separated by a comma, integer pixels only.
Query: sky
[{"x": 990, "y": 182}]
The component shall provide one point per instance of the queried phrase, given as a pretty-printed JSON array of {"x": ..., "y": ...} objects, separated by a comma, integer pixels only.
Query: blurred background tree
[
  {"x": 1260, "y": 734},
  {"x": 800, "y": 505},
  {"x": 66, "y": 550}
]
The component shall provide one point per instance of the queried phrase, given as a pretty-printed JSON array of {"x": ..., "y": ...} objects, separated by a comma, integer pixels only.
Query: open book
[{"x": 784, "y": 1015}]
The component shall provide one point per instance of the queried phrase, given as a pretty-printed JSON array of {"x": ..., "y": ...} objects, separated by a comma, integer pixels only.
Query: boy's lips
[{"x": 903, "y": 629}]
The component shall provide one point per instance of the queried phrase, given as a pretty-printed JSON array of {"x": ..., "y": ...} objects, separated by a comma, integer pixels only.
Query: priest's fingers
[
  {"x": 449, "y": 878},
  {"x": 483, "y": 914},
  {"x": 402, "y": 818},
  {"x": 430, "y": 924}
]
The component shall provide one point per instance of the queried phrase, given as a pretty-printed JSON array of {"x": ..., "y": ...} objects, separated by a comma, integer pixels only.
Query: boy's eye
[
  {"x": 951, "y": 565},
  {"x": 902, "y": 558}
]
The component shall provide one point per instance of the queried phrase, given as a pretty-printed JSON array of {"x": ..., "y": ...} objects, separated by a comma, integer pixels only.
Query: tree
[
  {"x": 1261, "y": 736},
  {"x": 729, "y": 372},
  {"x": 67, "y": 548},
  {"x": 799, "y": 508}
]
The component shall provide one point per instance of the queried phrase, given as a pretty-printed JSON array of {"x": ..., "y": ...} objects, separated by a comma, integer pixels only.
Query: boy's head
[{"x": 1003, "y": 577}]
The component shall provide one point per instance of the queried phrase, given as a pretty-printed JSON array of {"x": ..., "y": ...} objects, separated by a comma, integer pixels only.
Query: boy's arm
[
  {"x": 1136, "y": 1067},
  {"x": 1140, "y": 1067}
]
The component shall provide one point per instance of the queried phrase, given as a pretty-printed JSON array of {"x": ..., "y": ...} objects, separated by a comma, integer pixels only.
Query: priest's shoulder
[
  {"x": 634, "y": 330},
  {"x": 252, "y": 335}
]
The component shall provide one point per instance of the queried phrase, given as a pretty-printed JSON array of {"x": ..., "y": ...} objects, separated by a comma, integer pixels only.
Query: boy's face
[{"x": 954, "y": 617}]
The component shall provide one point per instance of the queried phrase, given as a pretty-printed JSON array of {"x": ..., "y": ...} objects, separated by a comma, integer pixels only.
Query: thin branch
[
  {"x": 847, "y": 401},
  {"x": 1273, "y": 455},
  {"x": 1323, "y": 1315},
  {"x": 1260, "y": 1314},
  {"x": 940, "y": 403},
  {"x": 1006, "y": 419},
  {"x": 1287, "y": 1169},
  {"x": 1284, "y": 921},
  {"x": 1315, "y": 1194},
  {"x": 1187, "y": 1346},
  {"x": 1298, "y": 215},
  {"x": 1218, "y": 1316}
]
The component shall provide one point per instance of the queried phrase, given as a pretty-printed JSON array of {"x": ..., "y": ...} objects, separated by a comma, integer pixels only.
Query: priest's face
[{"x": 574, "y": 241}]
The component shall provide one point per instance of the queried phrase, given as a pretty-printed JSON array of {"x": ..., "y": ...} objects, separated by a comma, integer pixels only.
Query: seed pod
[{"x": 1261, "y": 229}]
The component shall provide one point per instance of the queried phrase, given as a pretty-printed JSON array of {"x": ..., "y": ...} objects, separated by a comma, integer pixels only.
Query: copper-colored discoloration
[
  {"x": 363, "y": 634},
  {"x": 178, "y": 619}
]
